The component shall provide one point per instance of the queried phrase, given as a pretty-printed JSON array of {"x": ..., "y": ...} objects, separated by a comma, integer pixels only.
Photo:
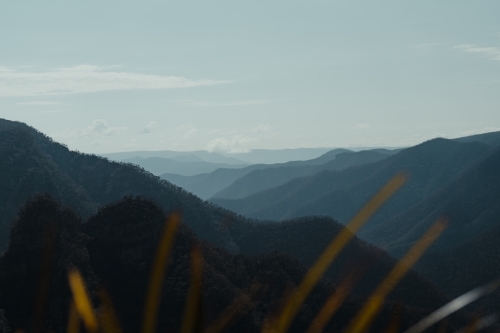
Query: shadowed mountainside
[
  {"x": 469, "y": 264},
  {"x": 471, "y": 202},
  {"x": 85, "y": 182},
  {"x": 114, "y": 250}
]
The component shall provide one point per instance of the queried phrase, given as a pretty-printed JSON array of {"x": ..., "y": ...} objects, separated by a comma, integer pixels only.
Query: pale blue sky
[{"x": 105, "y": 76}]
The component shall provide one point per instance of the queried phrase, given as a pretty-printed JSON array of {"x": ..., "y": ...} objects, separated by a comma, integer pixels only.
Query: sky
[{"x": 229, "y": 76}]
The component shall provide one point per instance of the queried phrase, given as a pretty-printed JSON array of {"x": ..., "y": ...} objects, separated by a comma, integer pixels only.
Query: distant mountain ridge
[
  {"x": 204, "y": 155},
  {"x": 185, "y": 165},
  {"x": 208, "y": 184},
  {"x": 340, "y": 194},
  {"x": 264, "y": 179}
]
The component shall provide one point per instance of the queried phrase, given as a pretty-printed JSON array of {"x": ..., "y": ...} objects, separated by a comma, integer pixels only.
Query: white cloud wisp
[
  {"x": 492, "y": 53},
  {"x": 86, "y": 79},
  {"x": 99, "y": 127},
  {"x": 237, "y": 144}
]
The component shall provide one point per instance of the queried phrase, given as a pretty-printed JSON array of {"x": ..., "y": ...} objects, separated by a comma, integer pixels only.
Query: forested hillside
[
  {"x": 89, "y": 181},
  {"x": 114, "y": 250},
  {"x": 471, "y": 202}
]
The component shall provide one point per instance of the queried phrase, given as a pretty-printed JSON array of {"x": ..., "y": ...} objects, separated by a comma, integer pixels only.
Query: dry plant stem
[
  {"x": 191, "y": 321},
  {"x": 366, "y": 315},
  {"x": 331, "y": 252},
  {"x": 82, "y": 301},
  {"x": 158, "y": 274}
]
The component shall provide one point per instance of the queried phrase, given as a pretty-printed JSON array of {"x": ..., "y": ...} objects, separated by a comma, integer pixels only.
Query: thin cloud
[
  {"x": 491, "y": 53},
  {"x": 426, "y": 45},
  {"x": 99, "y": 127},
  {"x": 187, "y": 131},
  {"x": 38, "y": 103},
  {"x": 228, "y": 103},
  {"x": 360, "y": 126},
  {"x": 236, "y": 144},
  {"x": 86, "y": 79},
  {"x": 149, "y": 128},
  {"x": 261, "y": 128}
]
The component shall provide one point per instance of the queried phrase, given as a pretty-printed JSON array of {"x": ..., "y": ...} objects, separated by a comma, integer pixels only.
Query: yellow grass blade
[
  {"x": 158, "y": 274},
  {"x": 73, "y": 320},
  {"x": 191, "y": 322},
  {"x": 331, "y": 252},
  {"x": 82, "y": 301},
  {"x": 366, "y": 315},
  {"x": 109, "y": 320},
  {"x": 453, "y": 306},
  {"x": 331, "y": 306}
]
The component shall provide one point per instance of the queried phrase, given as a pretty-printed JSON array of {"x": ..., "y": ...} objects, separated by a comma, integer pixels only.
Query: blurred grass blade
[
  {"x": 284, "y": 319},
  {"x": 158, "y": 273},
  {"x": 109, "y": 320},
  {"x": 453, "y": 306},
  {"x": 364, "y": 318},
  {"x": 480, "y": 324},
  {"x": 82, "y": 301},
  {"x": 192, "y": 313},
  {"x": 73, "y": 320},
  {"x": 234, "y": 309},
  {"x": 331, "y": 305}
]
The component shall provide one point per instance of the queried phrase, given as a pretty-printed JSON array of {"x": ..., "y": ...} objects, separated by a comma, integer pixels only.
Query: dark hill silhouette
[
  {"x": 114, "y": 250},
  {"x": 42, "y": 223},
  {"x": 261, "y": 180}
]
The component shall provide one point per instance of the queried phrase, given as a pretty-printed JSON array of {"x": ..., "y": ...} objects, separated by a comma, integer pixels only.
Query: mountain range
[{"x": 108, "y": 216}]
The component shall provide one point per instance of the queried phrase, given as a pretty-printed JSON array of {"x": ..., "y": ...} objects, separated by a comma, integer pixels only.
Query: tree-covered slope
[
  {"x": 471, "y": 202},
  {"x": 114, "y": 251},
  {"x": 32, "y": 163}
]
